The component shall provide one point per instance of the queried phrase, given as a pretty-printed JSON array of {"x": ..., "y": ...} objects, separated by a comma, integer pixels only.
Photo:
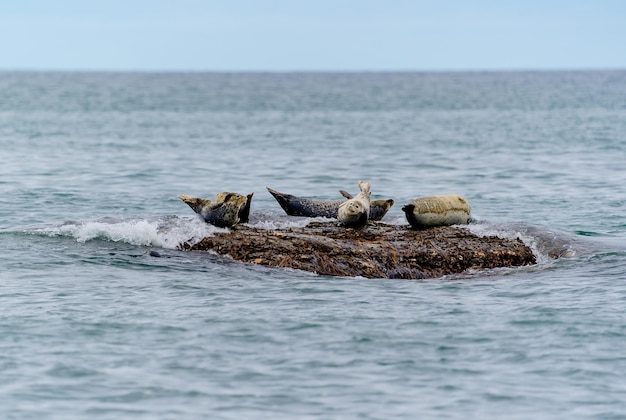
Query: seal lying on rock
[
  {"x": 356, "y": 211},
  {"x": 306, "y": 207},
  {"x": 378, "y": 208},
  {"x": 437, "y": 210},
  {"x": 227, "y": 210}
]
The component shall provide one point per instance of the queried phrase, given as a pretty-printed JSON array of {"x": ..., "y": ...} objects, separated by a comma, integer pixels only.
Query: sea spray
[{"x": 164, "y": 232}]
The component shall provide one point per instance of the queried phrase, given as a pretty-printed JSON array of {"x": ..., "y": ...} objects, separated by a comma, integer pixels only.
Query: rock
[{"x": 377, "y": 251}]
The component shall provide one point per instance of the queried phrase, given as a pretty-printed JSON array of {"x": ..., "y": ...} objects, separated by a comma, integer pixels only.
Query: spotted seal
[
  {"x": 307, "y": 207},
  {"x": 378, "y": 208},
  {"x": 437, "y": 210},
  {"x": 227, "y": 210},
  {"x": 355, "y": 211}
]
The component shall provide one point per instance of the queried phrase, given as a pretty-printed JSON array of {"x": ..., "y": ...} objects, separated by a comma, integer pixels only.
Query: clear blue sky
[{"x": 284, "y": 35}]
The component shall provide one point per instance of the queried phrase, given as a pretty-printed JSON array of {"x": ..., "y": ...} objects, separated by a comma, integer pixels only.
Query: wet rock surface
[{"x": 377, "y": 251}]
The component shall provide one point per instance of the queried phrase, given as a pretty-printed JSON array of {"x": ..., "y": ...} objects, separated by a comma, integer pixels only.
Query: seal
[
  {"x": 356, "y": 211},
  {"x": 306, "y": 207},
  {"x": 437, "y": 210},
  {"x": 227, "y": 210},
  {"x": 378, "y": 208},
  {"x": 244, "y": 212}
]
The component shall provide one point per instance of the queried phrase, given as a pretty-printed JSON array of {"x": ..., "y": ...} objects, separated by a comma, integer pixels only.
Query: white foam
[
  {"x": 288, "y": 222},
  {"x": 161, "y": 232},
  {"x": 545, "y": 244},
  {"x": 501, "y": 231}
]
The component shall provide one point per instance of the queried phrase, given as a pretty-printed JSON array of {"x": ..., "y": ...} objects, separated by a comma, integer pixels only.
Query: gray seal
[{"x": 227, "y": 210}]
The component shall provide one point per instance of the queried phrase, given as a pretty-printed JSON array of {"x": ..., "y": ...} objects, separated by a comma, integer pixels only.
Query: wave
[
  {"x": 546, "y": 244},
  {"x": 163, "y": 232}
]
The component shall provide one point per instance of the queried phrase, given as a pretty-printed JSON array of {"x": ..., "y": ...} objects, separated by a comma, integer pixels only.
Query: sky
[{"x": 314, "y": 35}]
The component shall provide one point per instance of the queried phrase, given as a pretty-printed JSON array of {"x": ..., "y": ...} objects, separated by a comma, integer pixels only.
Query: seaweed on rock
[{"x": 378, "y": 251}]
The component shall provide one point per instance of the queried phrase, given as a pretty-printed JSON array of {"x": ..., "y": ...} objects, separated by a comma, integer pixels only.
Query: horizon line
[{"x": 314, "y": 71}]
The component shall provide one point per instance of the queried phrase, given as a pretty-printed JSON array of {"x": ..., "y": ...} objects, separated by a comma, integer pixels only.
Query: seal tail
[
  {"x": 283, "y": 200},
  {"x": 365, "y": 187}
]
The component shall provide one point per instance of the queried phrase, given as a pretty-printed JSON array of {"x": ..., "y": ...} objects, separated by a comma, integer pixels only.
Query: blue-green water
[{"x": 92, "y": 326}]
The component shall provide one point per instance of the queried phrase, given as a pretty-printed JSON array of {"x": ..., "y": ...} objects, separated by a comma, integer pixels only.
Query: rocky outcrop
[{"x": 377, "y": 251}]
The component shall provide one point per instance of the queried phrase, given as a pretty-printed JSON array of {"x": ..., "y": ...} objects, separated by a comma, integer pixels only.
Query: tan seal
[
  {"x": 437, "y": 210},
  {"x": 378, "y": 208},
  {"x": 356, "y": 211}
]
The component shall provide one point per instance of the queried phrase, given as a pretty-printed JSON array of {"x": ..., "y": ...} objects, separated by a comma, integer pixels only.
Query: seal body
[
  {"x": 227, "y": 210},
  {"x": 437, "y": 210},
  {"x": 244, "y": 211},
  {"x": 224, "y": 213},
  {"x": 306, "y": 207},
  {"x": 356, "y": 211}
]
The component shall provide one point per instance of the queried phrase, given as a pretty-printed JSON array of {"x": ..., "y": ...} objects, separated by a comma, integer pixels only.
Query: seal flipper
[
  {"x": 365, "y": 187},
  {"x": 346, "y": 194}
]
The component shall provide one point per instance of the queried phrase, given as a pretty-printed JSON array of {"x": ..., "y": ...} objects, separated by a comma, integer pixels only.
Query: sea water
[{"x": 94, "y": 325}]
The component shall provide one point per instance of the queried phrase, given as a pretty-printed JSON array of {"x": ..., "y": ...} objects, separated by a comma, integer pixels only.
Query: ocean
[{"x": 94, "y": 325}]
